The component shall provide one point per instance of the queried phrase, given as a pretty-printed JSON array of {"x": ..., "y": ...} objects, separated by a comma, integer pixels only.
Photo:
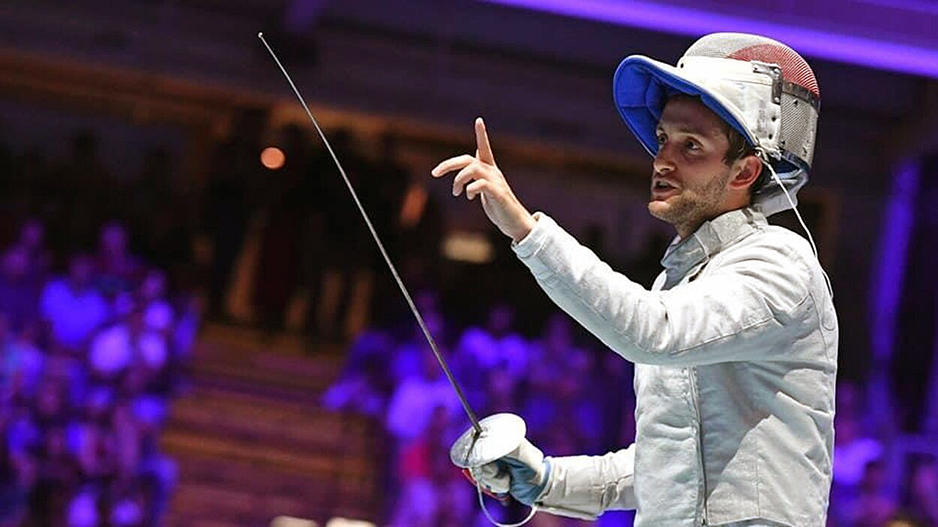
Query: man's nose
[{"x": 663, "y": 162}]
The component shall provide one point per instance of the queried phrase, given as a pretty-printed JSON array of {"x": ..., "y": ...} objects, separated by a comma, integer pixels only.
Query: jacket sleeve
[
  {"x": 585, "y": 486},
  {"x": 742, "y": 310}
]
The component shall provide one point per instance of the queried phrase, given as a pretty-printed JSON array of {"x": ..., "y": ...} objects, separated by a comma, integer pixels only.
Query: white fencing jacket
[{"x": 736, "y": 355}]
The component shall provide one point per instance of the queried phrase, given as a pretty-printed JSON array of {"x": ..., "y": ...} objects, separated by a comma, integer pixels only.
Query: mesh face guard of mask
[{"x": 760, "y": 87}]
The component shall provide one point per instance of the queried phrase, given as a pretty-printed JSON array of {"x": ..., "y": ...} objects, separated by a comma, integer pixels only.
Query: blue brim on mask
[{"x": 641, "y": 86}]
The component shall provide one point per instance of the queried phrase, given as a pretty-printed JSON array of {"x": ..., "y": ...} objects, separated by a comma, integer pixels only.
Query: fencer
[{"x": 735, "y": 345}]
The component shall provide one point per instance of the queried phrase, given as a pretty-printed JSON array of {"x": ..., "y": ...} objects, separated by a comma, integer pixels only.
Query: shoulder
[
  {"x": 774, "y": 247},
  {"x": 783, "y": 261},
  {"x": 775, "y": 261}
]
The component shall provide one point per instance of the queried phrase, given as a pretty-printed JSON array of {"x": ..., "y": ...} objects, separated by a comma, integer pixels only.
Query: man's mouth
[{"x": 661, "y": 188}]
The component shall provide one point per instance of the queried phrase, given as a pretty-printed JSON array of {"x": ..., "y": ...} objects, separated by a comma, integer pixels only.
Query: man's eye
[
  {"x": 662, "y": 139},
  {"x": 692, "y": 145}
]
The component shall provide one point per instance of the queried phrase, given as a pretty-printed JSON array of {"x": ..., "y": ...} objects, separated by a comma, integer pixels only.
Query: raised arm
[{"x": 742, "y": 311}]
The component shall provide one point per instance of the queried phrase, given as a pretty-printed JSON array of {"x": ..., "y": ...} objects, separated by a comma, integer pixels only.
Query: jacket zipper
[{"x": 700, "y": 459}]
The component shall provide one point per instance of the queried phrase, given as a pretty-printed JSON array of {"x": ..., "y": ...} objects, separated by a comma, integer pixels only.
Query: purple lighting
[
  {"x": 886, "y": 285},
  {"x": 878, "y": 54}
]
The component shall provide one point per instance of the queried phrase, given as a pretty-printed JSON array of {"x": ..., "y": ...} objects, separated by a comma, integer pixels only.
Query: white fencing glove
[{"x": 523, "y": 473}]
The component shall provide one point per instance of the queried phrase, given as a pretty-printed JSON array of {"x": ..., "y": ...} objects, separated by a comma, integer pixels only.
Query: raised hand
[{"x": 479, "y": 176}]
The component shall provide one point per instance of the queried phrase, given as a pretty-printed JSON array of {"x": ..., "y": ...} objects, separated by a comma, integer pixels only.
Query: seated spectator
[
  {"x": 116, "y": 270},
  {"x": 130, "y": 348},
  {"x": 73, "y": 307},
  {"x": 411, "y": 409},
  {"x": 19, "y": 290},
  {"x": 32, "y": 241},
  {"x": 94, "y": 444},
  {"x": 23, "y": 361},
  {"x": 58, "y": 469},
  {"x": 433, "y": 492},
  {"x": 500, "y": 394},
  {"x": 554, "y": 354},
  {"x": 922, "y": 500},
  {"x": 854, "y": 450},
  {"x": 363, "y": 386},
  {"x": 82, "y": 510},
  {"x": 565, "y": 419},
  {"x": 497, "y": 343},
  {"x": 129, "y": 505},
  {"x": 873, "y": 506},
  {"x": 496, "y": 346},
  {"x": 155, "y": 473},
  {"x": 157, "y": 312},
  {"x": 17, "y": 477},
  {"x": 409, "y": 356}
]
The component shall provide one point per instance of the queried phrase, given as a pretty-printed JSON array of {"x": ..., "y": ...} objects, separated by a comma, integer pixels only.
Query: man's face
[{"x": 689, "y": 183}]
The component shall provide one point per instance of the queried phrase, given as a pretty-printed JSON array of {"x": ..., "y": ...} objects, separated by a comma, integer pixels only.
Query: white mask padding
[
  {"x": 801, "y": 221},
  {"x": 493, "y": 520}
]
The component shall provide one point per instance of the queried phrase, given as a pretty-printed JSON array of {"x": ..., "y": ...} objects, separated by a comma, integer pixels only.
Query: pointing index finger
[{"x": 482, "y": 142}]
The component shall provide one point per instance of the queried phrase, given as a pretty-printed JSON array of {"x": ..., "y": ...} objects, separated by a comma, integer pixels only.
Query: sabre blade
[{"x": 374, "y": 234}]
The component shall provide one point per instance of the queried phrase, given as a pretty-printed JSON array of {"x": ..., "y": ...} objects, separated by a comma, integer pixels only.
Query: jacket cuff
[
  {"x": 585, "y": 486},
  {"x": 570, "y": 494},
  {"x": 531, "y": 249}
]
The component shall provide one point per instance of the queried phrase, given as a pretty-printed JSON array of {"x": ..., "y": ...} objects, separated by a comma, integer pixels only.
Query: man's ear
[{"x": 745, "y": 172}]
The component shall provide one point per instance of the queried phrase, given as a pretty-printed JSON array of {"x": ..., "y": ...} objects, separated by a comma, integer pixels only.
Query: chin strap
[{"x": 801, "y": 221}]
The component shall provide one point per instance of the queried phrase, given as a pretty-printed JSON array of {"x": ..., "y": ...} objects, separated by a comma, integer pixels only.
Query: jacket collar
[{"x": 711, "y": 237}]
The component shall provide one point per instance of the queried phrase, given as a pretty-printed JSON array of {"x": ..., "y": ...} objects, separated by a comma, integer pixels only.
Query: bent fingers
[
  {"x": 475, "y": 188},
  {"x": 453, "y": 163}
]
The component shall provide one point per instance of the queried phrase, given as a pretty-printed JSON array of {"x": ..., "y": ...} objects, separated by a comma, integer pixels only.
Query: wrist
[{"x": 526, "y": 226}]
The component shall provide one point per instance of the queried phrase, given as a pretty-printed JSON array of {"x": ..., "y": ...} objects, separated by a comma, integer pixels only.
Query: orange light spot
[{"x": 273, "y": 158}]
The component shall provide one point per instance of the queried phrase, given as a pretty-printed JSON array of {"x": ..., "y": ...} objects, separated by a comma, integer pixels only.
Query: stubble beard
[{"x": 693, "y": 205}]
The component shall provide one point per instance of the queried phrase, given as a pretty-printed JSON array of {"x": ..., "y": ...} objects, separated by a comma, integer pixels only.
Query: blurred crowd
[
  {"x": 97, "y": 320},
  {"x": 90, "y": 358},
  {"x": 573, "y": 398},
  {"x": 863, "y": 494}
]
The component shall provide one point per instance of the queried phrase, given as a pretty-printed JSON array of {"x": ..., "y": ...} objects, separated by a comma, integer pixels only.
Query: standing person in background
[
  {"x": 277, "y": 274},
  {"x": 81, "y": 187},
  {"x": 384, "y": 198},
  {"x": 735, "y": 345},
  {"x": 235, "y": 171}
]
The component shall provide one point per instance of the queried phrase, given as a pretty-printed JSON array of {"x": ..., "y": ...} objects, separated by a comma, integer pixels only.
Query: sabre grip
[{"x": 492, "y": 480}]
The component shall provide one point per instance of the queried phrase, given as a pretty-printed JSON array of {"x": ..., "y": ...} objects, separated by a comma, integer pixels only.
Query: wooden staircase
[{"x": 252, "y": 442}]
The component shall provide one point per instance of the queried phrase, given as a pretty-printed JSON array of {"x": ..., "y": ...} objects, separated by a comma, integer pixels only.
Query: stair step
[
  {"x": 252, "y": 441},
  {"x": 354, "y": 467}
]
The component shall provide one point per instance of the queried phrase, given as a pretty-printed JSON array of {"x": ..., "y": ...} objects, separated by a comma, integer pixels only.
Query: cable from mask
[{"x": 794, "y": 207}]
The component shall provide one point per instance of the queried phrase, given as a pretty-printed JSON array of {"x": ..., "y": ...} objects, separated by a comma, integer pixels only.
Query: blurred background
[{"x": 197, "y": 330}]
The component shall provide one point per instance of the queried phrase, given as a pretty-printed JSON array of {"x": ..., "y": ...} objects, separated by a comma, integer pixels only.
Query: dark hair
[{"x": 738, "y": 149}]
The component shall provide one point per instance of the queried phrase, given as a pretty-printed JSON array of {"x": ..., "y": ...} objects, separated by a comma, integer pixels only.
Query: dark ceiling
[{"x": 541, "y": 76}]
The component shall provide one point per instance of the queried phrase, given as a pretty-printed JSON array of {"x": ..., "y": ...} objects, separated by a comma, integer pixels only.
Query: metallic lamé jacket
[{"x": 735, "y": 349}]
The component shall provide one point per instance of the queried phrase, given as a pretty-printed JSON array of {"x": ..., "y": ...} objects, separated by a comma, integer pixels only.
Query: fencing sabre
[{"x": 487, "y": 440}]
